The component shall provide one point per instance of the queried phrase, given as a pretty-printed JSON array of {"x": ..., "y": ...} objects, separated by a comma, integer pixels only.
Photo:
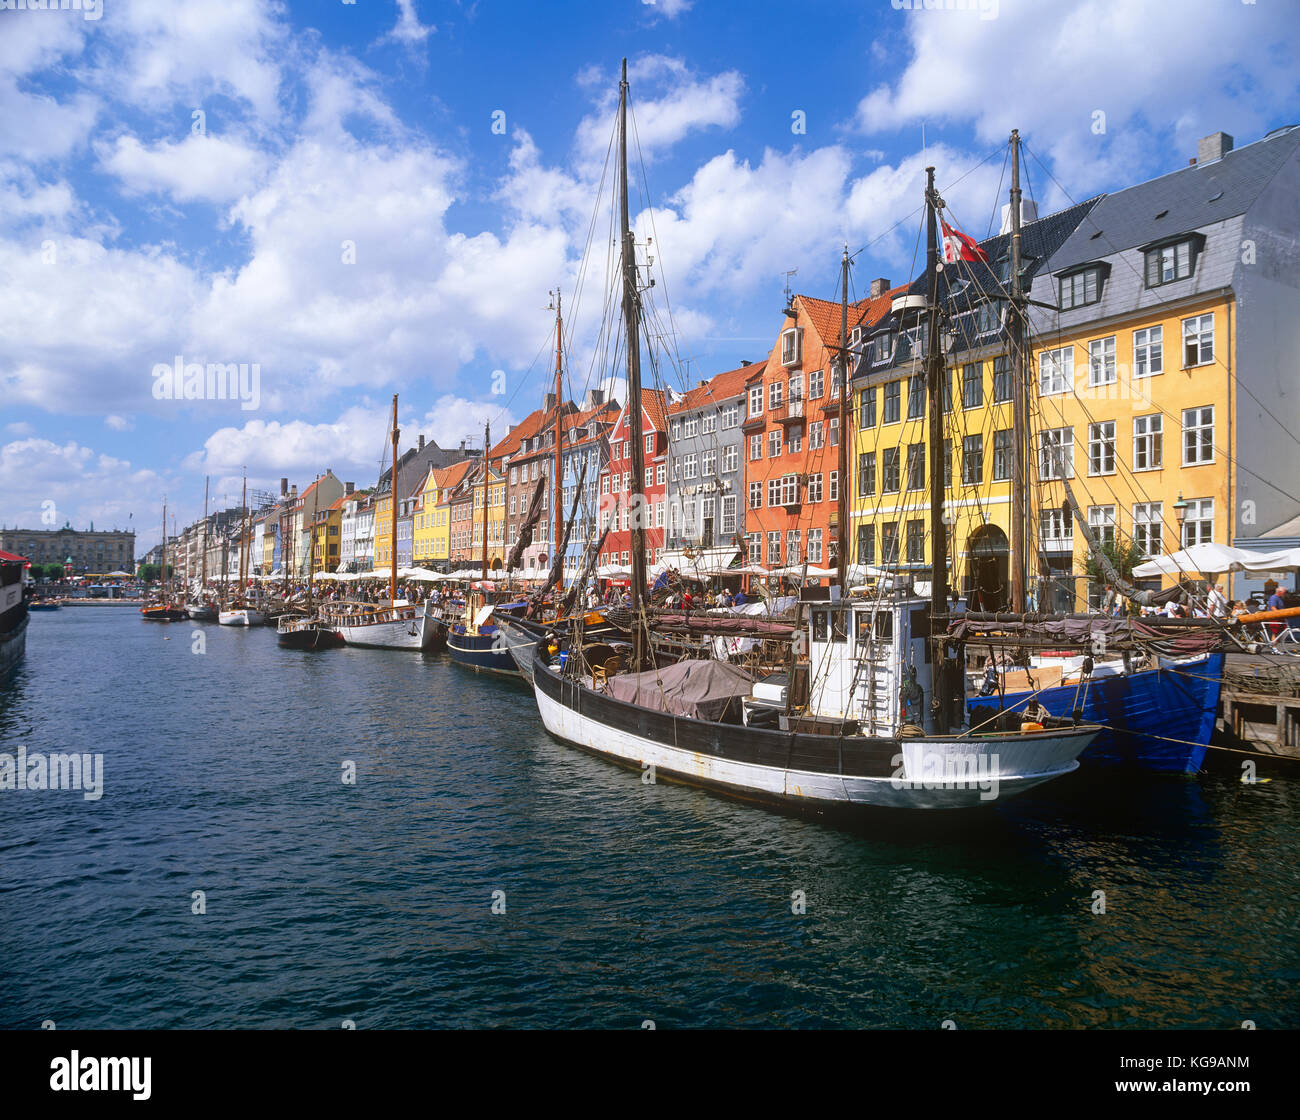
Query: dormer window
[
  {"x": 791, "y": 346},
  {"x": 1081, "y": 287},
  {"x": 1172, "y": 261},
  {"x": 882, "y": 347}
]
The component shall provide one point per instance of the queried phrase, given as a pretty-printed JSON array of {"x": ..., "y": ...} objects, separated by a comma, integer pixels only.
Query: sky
[{"x": 338, "y": 201}]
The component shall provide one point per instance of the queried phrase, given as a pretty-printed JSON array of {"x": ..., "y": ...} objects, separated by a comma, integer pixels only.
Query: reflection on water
[{"x": 622, "y": 901}]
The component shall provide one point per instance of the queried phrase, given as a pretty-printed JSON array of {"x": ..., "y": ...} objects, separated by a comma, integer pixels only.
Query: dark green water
[{"x": 623, "y": 902}]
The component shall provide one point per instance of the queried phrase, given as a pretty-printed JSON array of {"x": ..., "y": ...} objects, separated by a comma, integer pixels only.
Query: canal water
[{"x": 377, "y": 901}]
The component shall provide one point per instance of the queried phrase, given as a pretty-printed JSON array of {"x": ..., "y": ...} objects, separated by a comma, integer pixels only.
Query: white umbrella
[{"x": 1215, "y": 559}]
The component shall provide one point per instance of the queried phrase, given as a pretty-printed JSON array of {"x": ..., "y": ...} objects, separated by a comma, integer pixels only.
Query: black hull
[
  {"x": 164, "y": 614},
  {"x": 13, "y": 646},
  {"x": 315, "y": 637}
]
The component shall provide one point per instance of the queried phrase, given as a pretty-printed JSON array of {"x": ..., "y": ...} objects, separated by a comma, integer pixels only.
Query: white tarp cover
[
  {"x": 696, "y": 689},
  {"x": 1215, "y": 559}
]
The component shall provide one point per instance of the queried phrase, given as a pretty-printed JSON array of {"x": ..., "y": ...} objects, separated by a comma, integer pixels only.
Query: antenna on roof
[{"x": 789, "y": 295}]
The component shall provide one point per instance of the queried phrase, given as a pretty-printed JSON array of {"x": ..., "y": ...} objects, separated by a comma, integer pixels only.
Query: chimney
[
  {"x": 421, "y": 447},
  {"x": 700, "y": 384},
  {"x": 879, "y": 286},
  {"x": 1028, "y": 213},
  {"x": 1212, "y": 147},
  {"x": 594, "y": 399},
  {"x": 284, "y": 487},
  {"x": 550, "y": 401},
  {"x": 348, "y": 487}
]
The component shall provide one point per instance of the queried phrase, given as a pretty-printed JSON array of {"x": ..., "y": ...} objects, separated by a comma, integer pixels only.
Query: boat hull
[
  {"x": 201, "y": 613},
  {"x": 162, "y": 614},
  {"x": 1155, "y": 719},
  {"x": 410, "y": 631},
  {"x": 487, "y": 651},
  {"x": 310, "y": 638},
  {"x": 520, "y": 637},
  {"x": 242, "y": 617},
  {"x": 13, "y": 646},
  {"x": 42, "y": 606},
  {"x": 791, "y": 769}
]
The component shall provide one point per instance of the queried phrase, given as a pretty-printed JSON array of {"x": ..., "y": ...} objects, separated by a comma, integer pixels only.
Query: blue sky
[{"x": 135, "y": 231}]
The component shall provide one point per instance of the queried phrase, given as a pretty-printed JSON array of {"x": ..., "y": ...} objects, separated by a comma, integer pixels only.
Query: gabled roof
[
  {"x": 720, "y": 387},
  {"x": 824, "y": 315},
  {"x": 652, "y": 404},
  {"x": 1189, "y": 198}
]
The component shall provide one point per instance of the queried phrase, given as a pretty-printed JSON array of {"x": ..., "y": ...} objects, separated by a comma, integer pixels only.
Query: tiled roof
[
  {"x": 824, "y": 315},
  {"x": 720, "y": 387}
]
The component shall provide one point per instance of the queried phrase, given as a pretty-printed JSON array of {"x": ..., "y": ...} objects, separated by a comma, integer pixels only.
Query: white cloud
[
  {"x": 685, "y": 103},
  {"x": 1083, "y": 57},
  {"x": 669, "y": 9},
  {"x": 119, "y": 423},
  {"x": 198, "y": 168},
  {"x": 409, "y": 29}
]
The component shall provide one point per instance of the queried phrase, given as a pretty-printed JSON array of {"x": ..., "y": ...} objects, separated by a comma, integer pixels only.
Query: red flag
[{"x": 958, "y": 247}]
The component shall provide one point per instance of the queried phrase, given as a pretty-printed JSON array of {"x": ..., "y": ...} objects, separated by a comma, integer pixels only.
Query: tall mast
[
  {"x": 487, "y": 442},
  {"x": 938, "y": 531},
  {"x": 842, "y": 508},
  {"x": 164, "y": 554},
  {"x": 1019, "y": 411},
  {"x": 392, "y": 490},
  {"x": 315, "y": 502},
  {"x": 631, "y": 311},
  {"x": 559, "y": 429},
  {"x": 243, "y": 537}
]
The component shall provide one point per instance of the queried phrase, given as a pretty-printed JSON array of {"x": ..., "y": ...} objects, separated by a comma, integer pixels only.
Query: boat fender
[{"x": 1031, "y": 725}]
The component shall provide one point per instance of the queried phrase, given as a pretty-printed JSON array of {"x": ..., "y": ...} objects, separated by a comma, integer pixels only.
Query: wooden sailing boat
[
  {"x": 395, "y": 624},
  {"x": 164, "y": 610},
  {"x": 240, "y": 612},
  {"x": 857, "y": 741},
  {"x": 310, "y": 630},
  {"x": 476, "y": 641},
  {"x": 199, "y": 607}
]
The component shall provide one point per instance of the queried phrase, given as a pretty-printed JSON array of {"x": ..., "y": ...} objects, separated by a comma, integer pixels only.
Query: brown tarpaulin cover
[{"x": 698, "y": 689}]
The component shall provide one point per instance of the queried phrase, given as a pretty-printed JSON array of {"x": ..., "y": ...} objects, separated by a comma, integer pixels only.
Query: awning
[
  {"x": 1215, "y": 559},
  {"x": 701, "y": 562}
]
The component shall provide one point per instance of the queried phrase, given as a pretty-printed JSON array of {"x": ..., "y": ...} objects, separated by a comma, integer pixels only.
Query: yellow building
[
  {"x": 325, "y": 537},
  {"x": 432, "y": 532},
  {"x": 496, "y": 520}
]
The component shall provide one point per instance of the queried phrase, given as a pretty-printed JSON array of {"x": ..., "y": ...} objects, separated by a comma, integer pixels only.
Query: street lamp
[{"x": 1180, "y": 511}]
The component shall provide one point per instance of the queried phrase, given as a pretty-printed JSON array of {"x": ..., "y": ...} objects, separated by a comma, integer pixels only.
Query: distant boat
[
  {"x": 307, "y": 633},
  {"x": 238, "y": 612},
  {"x": 241, "y": 616},
  {"x": 39, "y": 605},
  {"x": 199, "y": 608},
  {"x": 164, "y": 610}
]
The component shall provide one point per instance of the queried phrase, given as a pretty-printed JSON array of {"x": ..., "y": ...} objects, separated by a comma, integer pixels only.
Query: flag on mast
[{"x": 958, "y": 247}]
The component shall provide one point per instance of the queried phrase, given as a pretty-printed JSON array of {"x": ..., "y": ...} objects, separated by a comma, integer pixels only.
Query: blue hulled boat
[
  {"x": 478, "y": 643},
  {"x": 1157, "y": 719}
]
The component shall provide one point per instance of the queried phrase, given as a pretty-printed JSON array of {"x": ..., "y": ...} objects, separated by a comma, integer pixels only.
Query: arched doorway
[
  {"x": 496, "y": 563},
  {"x": 988, "y": 569}
]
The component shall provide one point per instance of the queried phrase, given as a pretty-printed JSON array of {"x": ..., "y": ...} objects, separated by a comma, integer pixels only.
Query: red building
[{"x": 616, "y": 481}]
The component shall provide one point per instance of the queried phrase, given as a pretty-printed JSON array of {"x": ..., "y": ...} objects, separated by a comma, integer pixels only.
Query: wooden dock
[{"x": 1259, "y": 710}]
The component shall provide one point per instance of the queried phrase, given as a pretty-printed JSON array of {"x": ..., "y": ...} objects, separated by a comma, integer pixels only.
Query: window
[
  {"x": 972, "y": 460},
  {"x": 730, "y": 458},
  {"x": 1101, "y": 361},
  {"x": 867, "y": 408},
  {"x": 774, "y": 443},
  {"x": 1080, "y": 288},
  {"x": 1146, "y": 527},
  {"x": 835, "y": 486},
  {"x": 660, "y": 472},
  {"x": 889, "y": 542},
  {"x": 1056, "y": 453},
  {"x": 690, "y": 427},
  {"x": 690, "y": 467},
  {"x": 793, "y": 549},
  {"x": 947, "y": 463},
  {"x": 915, "y": 396},
  {"x": 627, "y": 480},
  {"x": 756, "y": 445},
  {"x": 916, "y": 541},
  {"x": 988, "y": 316},
  {"x": 1001, "y": 378},
  {"x": 773, "y": 491},
  {"x": 649, "y": 476},
  {"x": 676, "y": 430},
  {"x": 866, "y": 474},
  {"x": 1168, "y": 263},
  {"x": 794, "y": 391},
  {"x": 514, "y": 475},
  {"x": 916, "y": 466},
  {"x": 708, "y": 423},
  {"x": 1055, "y": 370},
  {"x": 754, "y": 547},
  {"x": 709, "y": 463},
  {"x": 972, "y": 386},
  {"x": 791, "y": 346},
  {"x": 1101, "y": 519},
  {"x": 833, "y": 428},
  {"x": 890, "y": 411},
  {"x": 729, "y": 515},
  {"x": 866, "y": 544},
  {"x": 1148, "y": 436},
  {"x": 789, "y": 490},
  {"x": 1198, "y": 524},
  {"x": 1056, "y": 530},
  {"x": 814, "y": 546},
  {"x": 1198, "y": 340},
  {"x": 794, "y": 439},
  {"x": 627, "y": 454},
  {"x": 755, "y": 495},
  {"x": 1148, "y": 351},
  {"x": 889, "y": 474},
  {"x": 730, "y": 416},
  {"x": 650, "y": 443},
  {"x": 814, "y": 435},
  {"x": 1002, "y": 455},
  {"x": 1198, "y": 435},
  {"x": 756, "y": 400},
  {"x": 1101, "y": 447},
  {"x": 774, "y": 548},
  {"x": 816, "y": 383}
]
